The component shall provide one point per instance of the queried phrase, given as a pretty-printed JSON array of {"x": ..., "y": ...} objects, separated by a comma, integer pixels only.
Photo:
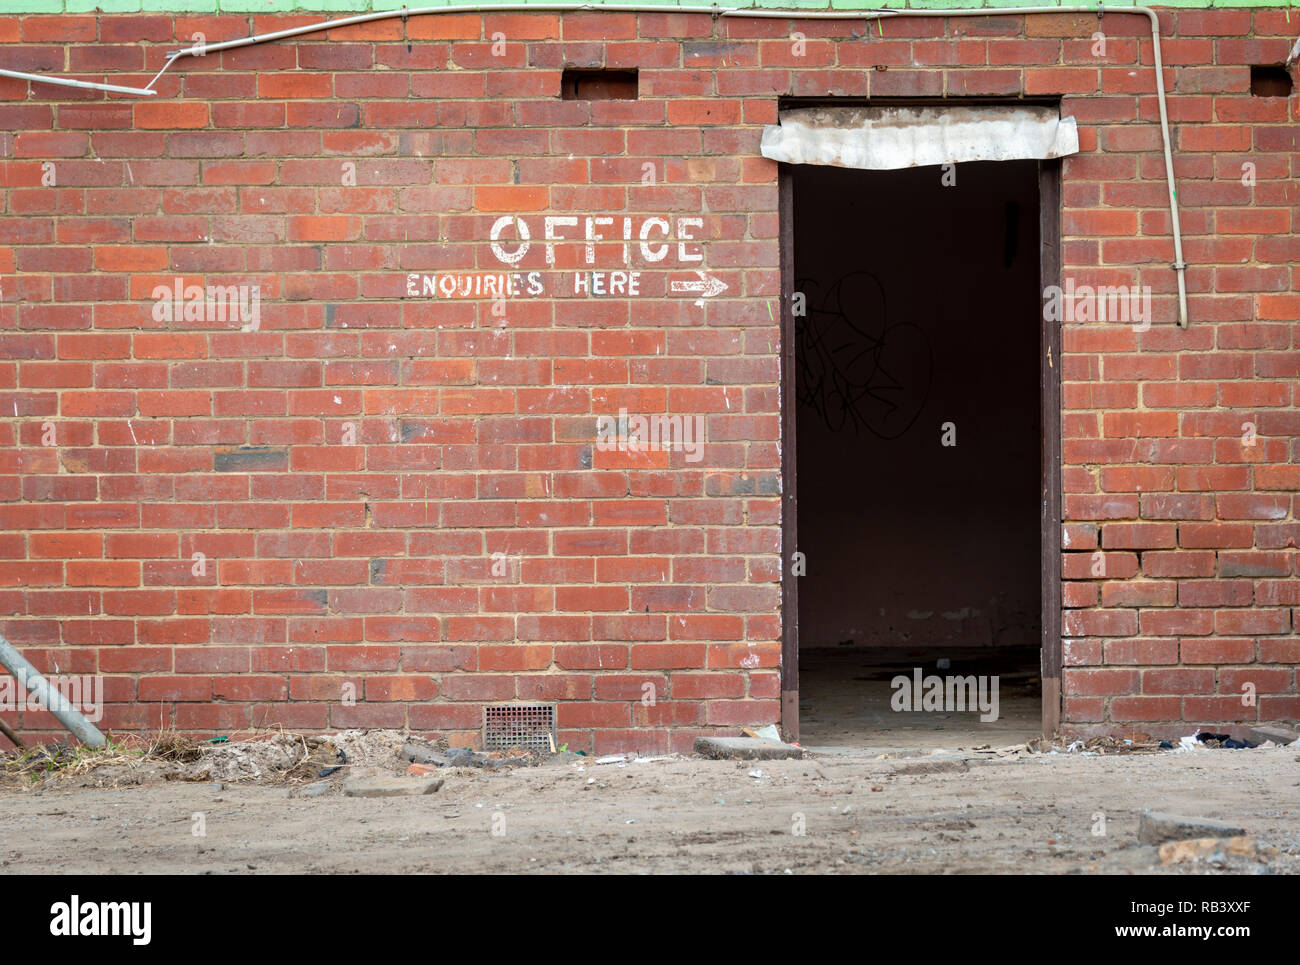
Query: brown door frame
[
  {"x": 1049, "y": 222},
  {"x": 1049, "y": 367}
]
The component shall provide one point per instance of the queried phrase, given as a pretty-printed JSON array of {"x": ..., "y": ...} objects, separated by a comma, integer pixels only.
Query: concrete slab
[
  {"x": 390, "y": 786},
  {"x": 1156, "y": 827},
  {"x": 746, "y": 749},
  {"x": 1274, "y": 733}
]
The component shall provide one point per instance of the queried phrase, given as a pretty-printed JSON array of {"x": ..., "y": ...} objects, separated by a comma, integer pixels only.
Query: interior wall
[{"x": 922, "y": 309}]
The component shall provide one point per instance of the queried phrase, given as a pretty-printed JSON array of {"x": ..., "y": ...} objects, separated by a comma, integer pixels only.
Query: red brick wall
[{"x": 332, "y": 560}]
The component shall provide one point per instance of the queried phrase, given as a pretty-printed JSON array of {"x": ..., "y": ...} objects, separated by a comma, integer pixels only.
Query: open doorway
[{"x": 919, "y": 473}]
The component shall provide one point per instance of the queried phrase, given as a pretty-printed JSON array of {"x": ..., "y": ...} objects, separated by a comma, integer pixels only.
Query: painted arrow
[{"x": 706, "y": 287}]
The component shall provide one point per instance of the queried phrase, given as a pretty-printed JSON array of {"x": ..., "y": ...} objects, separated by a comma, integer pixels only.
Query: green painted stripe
[{"x": 85, "y": 6}]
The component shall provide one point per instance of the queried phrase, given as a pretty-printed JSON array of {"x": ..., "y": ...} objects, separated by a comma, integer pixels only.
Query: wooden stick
[{"x": 9, "y": 732}]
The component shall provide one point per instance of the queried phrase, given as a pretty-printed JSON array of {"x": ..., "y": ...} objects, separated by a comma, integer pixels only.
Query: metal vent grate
[{"x": 526, "y": 726}]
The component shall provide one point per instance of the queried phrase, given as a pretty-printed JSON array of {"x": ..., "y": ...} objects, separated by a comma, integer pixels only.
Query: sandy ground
[{"x": 942, "y": 813}]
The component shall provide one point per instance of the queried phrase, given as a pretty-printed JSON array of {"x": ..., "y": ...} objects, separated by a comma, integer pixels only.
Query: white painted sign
[
  {"x": 643, "y": 239},
  {"x": 647, "y": 235}
]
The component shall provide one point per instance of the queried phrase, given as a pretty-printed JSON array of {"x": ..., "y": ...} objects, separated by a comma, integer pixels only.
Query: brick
[
  {"x": 1099, "y": 682},
  {"x": 1178, "y": 681},
  {"x": 1217, "y": 709},
  {"x": 1139, "y": 536},
  {"x": 1219, "y": 650},
  {"x": 1145, "y": 708},
  {"x": 1108, "y": 623},
  {"x": 1141, "y": 651},
  {"x": 174, "y": 115}
]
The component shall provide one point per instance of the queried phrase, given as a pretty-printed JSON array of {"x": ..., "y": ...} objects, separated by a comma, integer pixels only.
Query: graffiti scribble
[{"x": 854, "y": 367}]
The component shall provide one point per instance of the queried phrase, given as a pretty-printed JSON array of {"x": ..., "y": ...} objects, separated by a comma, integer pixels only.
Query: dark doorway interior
[{"x": 921, "y": 325}]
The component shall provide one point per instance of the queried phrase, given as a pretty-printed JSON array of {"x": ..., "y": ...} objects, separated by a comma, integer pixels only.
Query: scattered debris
[
  {"x": 34, "y": 763},
  {"x": 932, "y": 767},
  {"x": 174, "y": 747},
  {"x": 278, "y": 759},
  {"x": 622, "y": 760},
  {"x": 424, "y": 754},
  {"x": 1137, "y": 744},
  {"x": 1133, "y": 744},
  {"x": 1226, "y": 741},
  {"x": 186, "y": 776},
  {"x": 270, "y": 759},
  {"x": 1212, "y": 850},
  {"x": 443, "y": 756},
  {"x": 1157, "y": 827},
  {"x": 1012, "y": 750}
]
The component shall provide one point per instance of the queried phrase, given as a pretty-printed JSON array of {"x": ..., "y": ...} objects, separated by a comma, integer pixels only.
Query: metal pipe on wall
[
  {"x": 29, "y": 678},
  {"x": 200, "y": 50}
]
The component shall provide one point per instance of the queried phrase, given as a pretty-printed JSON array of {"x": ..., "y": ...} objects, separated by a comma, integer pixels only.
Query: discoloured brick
[{"x": 251, "y": 459}]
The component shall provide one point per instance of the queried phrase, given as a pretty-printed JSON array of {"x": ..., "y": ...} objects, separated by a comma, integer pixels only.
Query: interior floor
[{"x": 845, "y": 699}]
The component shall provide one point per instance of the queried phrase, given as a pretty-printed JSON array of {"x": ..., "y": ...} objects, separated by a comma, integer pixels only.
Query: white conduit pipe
[{"x": 199, "y": 50}]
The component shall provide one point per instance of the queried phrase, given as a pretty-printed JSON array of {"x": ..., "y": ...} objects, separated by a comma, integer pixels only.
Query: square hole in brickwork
[
  {"x": 1270, "y": 80},
  {"x": 526, "y": 726},
  {"x": 598, "y": 85}
]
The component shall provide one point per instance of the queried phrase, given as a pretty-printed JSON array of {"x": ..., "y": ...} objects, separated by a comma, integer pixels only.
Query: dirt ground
[{"x": 947, "y": 813}]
